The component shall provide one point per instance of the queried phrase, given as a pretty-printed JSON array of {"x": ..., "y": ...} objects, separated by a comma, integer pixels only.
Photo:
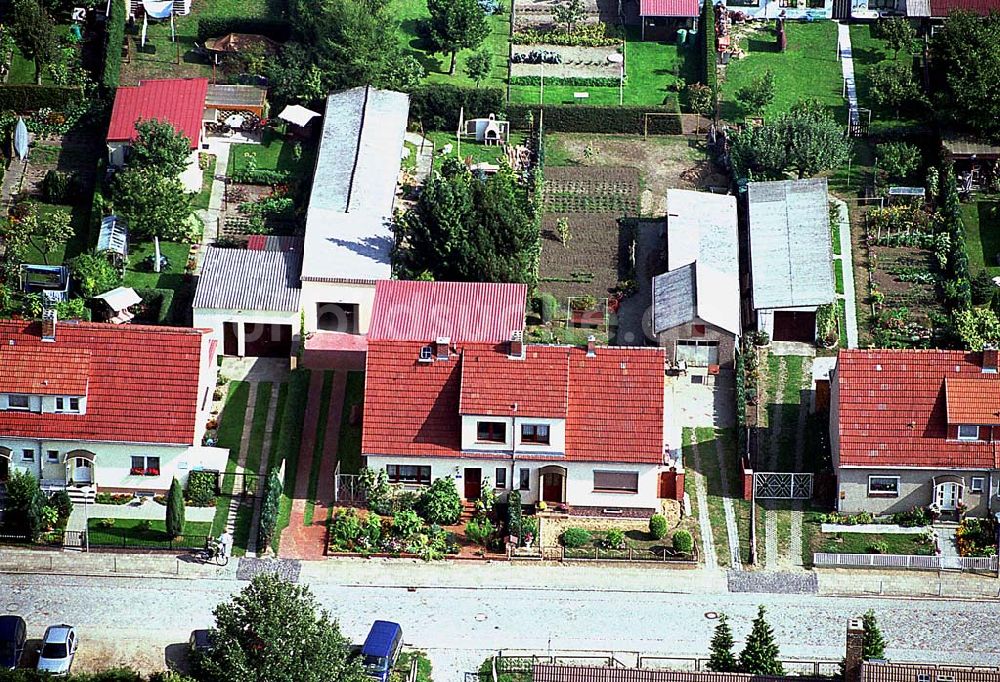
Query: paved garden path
[
  {"x": 847, "y": 69},
  {"x": 732, "y": 531},
  {"x": 847, "y": 268},
  {"x": 210, "y": 216},
  {"x": 425, "y": 158},
  {"x": 634, "y": 312},
  {"x": 701, "y": 492},
  {"x": 262, "y": 472},
  {"x": 241, "y": 461}
]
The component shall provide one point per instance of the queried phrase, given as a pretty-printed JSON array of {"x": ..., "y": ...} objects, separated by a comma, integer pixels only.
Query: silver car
[{"x": 58, "y": 649}]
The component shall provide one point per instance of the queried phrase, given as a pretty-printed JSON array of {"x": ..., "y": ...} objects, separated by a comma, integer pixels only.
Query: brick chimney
[
  {"x": 854, "y": 650},
  {"x": 441, "y": 348},
  {"x": 517, "y": 345},
  {"x": 591, "y": 346},
  {"x": 991, "y": 356}
]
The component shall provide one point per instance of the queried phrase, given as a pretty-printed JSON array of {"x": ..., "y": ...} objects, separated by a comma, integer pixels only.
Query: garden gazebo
[{"x": 668, "y": 16}]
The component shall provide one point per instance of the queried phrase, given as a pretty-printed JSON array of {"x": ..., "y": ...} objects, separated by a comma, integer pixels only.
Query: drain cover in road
[
  {"x": 287, "y": 569},
  {"x": 773, "y": 582}
]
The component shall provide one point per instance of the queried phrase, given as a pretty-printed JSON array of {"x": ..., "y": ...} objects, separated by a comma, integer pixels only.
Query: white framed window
[
  {"x": 491, "y": 432},
  {"x": 524, "y": 479},
  {"x": 616, "y": 481},
  {"x": 67, "y": 404},
  {"x": 52, "y": 456},
  {"x": 18, "y": 401},
  {"x": 501, "y": 478},
  {"x": 426, "y": 354},
  {"x": 27, "y": 455},
  {"x": 145, "y": 466},
  {"x": 883, "y": 486},
  {"x": 978, "y": 484},
  {"x": 923, "y": 678},
  {"x": 968, "y": 432},
  {"x": 535, "y": 434}
]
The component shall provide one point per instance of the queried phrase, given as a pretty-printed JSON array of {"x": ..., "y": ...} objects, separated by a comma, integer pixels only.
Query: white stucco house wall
[{"x": 119, "y": 408}]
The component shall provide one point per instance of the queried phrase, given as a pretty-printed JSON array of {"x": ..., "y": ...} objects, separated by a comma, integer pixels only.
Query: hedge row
[
  {"x": 259, "y": 176},
  {"x": 216, "y": 27},
  {"x": 581, "y": 81},
  {"x": 114, "y": 38},
  {"x": 22, "y": 98},
  {"x": 624, "y": 120},
  {"x": 159, "y": 302},
  {"x": 437, "y": 106},
  {"x": 708, "y": 44}
]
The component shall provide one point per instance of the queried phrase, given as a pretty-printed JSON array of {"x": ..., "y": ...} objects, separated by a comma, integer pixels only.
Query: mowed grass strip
[
  {"x": 255, "y": 446},
  {"x": 288, "y": 442},
  {"x": 705, "y": 437},
  {"x": 349, "y": 447},
  {"x": 318, "y": 453},
  {"x": 229, "y": 435}
]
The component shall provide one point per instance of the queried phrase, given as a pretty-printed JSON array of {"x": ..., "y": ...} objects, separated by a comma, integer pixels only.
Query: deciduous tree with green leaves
[
  {"x": 898, "y": 34},
  {"x": 25, "y": 501},
  {"x": 569, "y": 13},
  {"x": 479, "y": 65},
  {"x": 160, "y": 147},
  {"x": 721, "y": 658},
  {"x": 455, "y": 25},
  {"x": 34, "y": 33},
  {"x": 275, "y": 631},
  {"x": 175, "y": 510},
  {"x": 760, "y": 654},
  {"x": 965, "y": 54},
  {"x": 892, "y": 86},
  {"x": 154, "y": 205},
  {"x": 759, "y": 94}
]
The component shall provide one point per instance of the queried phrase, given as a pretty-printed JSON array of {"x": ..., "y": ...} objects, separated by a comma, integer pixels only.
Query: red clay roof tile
[
  {"x": 60, "y": 371},
  {"x": 142, "y": 384},
  {"x": 178, "y": 101}
]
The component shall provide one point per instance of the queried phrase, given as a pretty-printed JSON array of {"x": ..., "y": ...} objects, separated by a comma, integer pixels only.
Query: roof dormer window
[
  {"x": 65, "y": 404},
  {"x": 968, "y": 432},
  {"x": 18, "y": 401}
]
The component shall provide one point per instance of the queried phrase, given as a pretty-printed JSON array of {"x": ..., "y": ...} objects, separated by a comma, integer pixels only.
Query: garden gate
[{"x": 769, "y": 485}]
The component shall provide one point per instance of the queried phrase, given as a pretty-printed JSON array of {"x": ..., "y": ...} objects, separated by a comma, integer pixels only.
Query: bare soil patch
[
  {"x": 577, "y": 62},
  {"x": 892, "y": 264},
  {"x": 663, "y": 162}
]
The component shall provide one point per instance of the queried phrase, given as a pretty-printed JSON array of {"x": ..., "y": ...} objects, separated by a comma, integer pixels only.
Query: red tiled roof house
[
  {"x": 911, "y": 428},
  {"x": 457, "y": 393},
  {"x": 177, "y": 101},
  {"x": 120, "y": 408}
]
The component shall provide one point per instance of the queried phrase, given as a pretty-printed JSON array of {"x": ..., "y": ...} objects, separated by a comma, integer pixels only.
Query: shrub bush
[
  {"x": 158, "y": 303},
  {"x": 708, "y": 45},
  {"x": 658, "y": 526},
  {"x": 440, "y": 503},
  {"x": 61, "y": 188},
  {"x": 406, "y": 500},
  {"x": 259, "y": 176},
  {"x": 437, "y": 106},
  {"x": 61, "y": 503},
  {"x": 373, "y": 530},
  {"x": 683, "y": 542},
  {"x": 33, "y": 97},
  {"x": 406, "y": 524},
  {"x": 583, "y": 35},
  {"x": 514, "y": 513},
  {"x": 579, "y": 81},
  {"x": 345, "y": 529},
  {"x": 547, "y": 306},
  {"x": 899, "y": 160},
  {"x": 113, "y": 40},
  {"x": 614, "y": 539},
  {"x": 201, "y": 488},
  {"x": 106, "y": 523},
  {"x": 480, "y": 530},
  {"x": 625, "y": 120},
  {"x": 878, "y": 548},
  {"x": 914, "y": 518},
  {"x": 983, "y": 288},
  {"x": 575, "y": 537},
  {"x": 216, "y": 27},
  {"x": 270, "y": 507},
  {"x": 377, "y": 491}
]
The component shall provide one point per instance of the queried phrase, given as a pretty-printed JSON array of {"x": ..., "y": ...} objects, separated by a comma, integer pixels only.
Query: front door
[
  {"x": 83, "y": 471},
  {"x": 230, "y": 338},
  {"x": 948, "y": 496},
  {"x": 473, "y": 484},
  {"x": 4, "y": 469},
  {"x": 552, "y": 488}
]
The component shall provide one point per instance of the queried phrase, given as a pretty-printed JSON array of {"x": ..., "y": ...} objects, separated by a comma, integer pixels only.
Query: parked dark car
[
  {"x": 13, "y": 633},
  {"x": 201, "y": 641}
]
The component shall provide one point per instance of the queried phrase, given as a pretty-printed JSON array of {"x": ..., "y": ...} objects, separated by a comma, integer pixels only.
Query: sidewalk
[
  {"x": 181, "y": 565},
  {"x": 917, "y": 584}
]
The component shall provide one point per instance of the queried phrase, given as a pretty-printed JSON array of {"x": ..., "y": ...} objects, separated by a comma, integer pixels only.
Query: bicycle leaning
[{"x": 214, "y": 552}]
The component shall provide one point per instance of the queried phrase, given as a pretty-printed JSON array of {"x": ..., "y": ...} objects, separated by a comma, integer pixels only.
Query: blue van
[{"x": 381, "y": 648}]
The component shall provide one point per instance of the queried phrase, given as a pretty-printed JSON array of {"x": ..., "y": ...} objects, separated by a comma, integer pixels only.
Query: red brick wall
[{"x": 747, "y": 480}]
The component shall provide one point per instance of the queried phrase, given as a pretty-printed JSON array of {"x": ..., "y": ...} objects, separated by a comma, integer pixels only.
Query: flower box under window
[{"x": 137, "y": 471}]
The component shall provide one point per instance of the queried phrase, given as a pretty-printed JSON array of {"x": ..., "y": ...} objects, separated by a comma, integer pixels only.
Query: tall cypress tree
[
  {"x": 760, "y": 655},
  {"x": 722, "y": 659},
  {"x": 874, "y": 643},
  {"x": 175, "y": 510}
]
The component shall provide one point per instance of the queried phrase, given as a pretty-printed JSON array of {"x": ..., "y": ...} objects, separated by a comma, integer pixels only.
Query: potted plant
[
  {"x": 541, "y": 505},
  {"x": 961, "y": 508},
  {"x": 529, "y": 529},
  {"x": 934, "y": 511}
]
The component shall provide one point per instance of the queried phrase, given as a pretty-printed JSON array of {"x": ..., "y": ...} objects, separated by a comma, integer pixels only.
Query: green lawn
[
  {"x": 207, "y": 176},
  {"x": 279, "y": 412},
  {"x": 318, "y": 454},
  {"x": 127, "y": 533},
  {"x": 478, "y": 152},
  {"x": 864, "y": 543},
  {"x": 140, "y": 276},
  {"x": 869, "y": 51},
  {"x": 650, "y": 68},
  {"x": 835, "y": 238},
  {"x": 410, "y": 12},
  {"x": 229, "y": 435},
  {"x": 274, "y": 153},
  {"x": 842, "y": 315},
  {"x": 255, "y": 447},
  {"x": 402, "y": 670},
  {"x": 705, "y": 436},
  {"x": 838, "y": 275},
  {"x": 289, "y": 441},
  {"x": 349, "y": 447},
  {"x": 809, "y": 68},
  {"x": 982, "y": 235},
  {"x": 79, "y": 219}
]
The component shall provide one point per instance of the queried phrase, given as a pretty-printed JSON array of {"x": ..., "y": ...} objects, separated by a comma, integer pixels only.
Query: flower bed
[
  {"x": 976, "y": 537},
  {"x": 576, "y": 63}
]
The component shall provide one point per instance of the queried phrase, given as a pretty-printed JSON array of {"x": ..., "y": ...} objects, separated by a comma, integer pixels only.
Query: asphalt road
[{"x": 134, "y": 621}]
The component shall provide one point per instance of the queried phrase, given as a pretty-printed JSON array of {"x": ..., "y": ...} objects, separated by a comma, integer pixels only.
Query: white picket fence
[{"x": 925, "y": 563}]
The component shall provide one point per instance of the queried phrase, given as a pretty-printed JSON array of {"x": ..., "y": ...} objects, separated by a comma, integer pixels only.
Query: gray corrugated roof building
[
  {"x": 238, "y": 279},
  {"x": 790, "y": 255},
  {"x": 702, "y": 257},
  {"x": 348, "y": 223}
]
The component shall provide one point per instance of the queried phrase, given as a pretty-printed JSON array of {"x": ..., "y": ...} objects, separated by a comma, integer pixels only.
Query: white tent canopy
[
  {"x": 296, "y": 114},
  {"x": 120, "y": 298},
  {"x": 158, "y": 9}
]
